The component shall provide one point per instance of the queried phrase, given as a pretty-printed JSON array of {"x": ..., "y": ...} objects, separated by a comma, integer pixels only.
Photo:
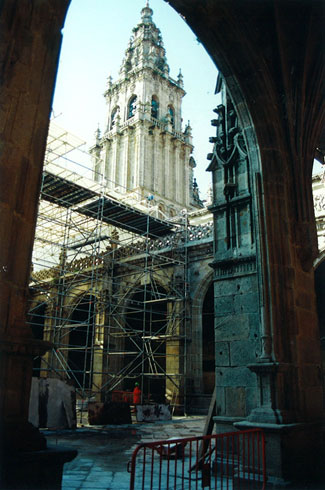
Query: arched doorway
[
  {"x": 81, "y": 340},
  {"x": 145, "y": 345},
  {"x": 208, "y": 343}
]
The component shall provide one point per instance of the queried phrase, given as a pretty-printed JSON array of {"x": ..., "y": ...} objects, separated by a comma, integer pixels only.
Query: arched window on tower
[
  {"x": 154, "y": 107},
  {"x": 113, "y": 116},
  {"x": 171, "y": 113},
  {"x": 132, "y": 106}
]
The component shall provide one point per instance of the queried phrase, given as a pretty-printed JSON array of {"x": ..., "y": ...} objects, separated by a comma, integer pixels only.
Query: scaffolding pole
[{"x": 109, "y": 288}]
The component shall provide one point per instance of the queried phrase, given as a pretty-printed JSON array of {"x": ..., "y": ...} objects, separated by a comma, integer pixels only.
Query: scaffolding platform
[
  {"x": 59, "y": 190},
  {"x": 104, "y": 287}
]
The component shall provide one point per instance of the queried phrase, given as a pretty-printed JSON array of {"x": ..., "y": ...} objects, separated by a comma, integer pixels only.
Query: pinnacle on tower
[
  {"x": 145, "y": 47},
  {"x": 146, "y": 14},
  {"x": 180, "y": 79}
]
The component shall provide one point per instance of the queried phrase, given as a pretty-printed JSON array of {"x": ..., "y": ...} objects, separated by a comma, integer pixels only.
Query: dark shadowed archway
[
  {"x": 146, "y": 320},
  {"x": 269, "y": 53}
]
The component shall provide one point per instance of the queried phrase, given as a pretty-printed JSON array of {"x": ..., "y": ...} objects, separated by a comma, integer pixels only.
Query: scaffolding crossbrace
[{"x": 109, "y": 288}]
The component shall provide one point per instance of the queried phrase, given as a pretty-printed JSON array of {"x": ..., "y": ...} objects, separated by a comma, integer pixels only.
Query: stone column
[
  {"x": 124, "y": 163},
  {"x": 98, "y": 347},
  {"x": 116, "y": 170},
  {"x": 30, "y": 44},
  {"x": 178, "y": 174},
  {"x": 163, "y": 164},
  {"x": 155, "y": 163},
  {"x": 49, "y": 326},
  {"x": 175, "y": 355},
  {"x": 290, "y": 393}
]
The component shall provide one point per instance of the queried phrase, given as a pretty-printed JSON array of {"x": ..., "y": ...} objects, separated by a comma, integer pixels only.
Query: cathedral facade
[{"x": 123, "y": 306}]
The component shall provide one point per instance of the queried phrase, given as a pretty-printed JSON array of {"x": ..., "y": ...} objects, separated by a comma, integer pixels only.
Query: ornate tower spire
[
  {"x": 145, "y": 150},
  {"x": 145, "y": 48}
]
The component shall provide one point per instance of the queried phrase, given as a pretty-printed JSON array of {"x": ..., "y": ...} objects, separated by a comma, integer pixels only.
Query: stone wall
[{"x": 237, "y": 344}]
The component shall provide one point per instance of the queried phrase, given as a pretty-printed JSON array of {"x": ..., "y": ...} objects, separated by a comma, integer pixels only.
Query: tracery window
[
  {"x": 132, "y": 106},
  {"x": 154, "y": 107},
  {"x": 171, "y": 113},
  {"x": 113, "y": 116}
]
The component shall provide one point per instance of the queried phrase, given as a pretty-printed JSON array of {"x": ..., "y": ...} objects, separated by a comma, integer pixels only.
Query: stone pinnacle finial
[
  {"x": 109, "y": 81},
  {"x": 97, "y": 134},
  {"x": 180, "y": 79},
  {"x": 146, "y": 14}
]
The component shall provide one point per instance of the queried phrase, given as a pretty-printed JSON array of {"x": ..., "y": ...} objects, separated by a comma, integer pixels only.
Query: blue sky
[{"x": 95, "y": 36}]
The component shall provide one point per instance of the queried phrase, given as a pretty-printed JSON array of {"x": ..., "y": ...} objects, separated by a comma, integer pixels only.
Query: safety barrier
[
  {"x": 122, "y": 396},
  {"x": 230, "y": 461}
]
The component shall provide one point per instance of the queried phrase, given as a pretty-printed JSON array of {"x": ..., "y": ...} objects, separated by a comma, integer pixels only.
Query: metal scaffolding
[{"x": 109, "y": 286}]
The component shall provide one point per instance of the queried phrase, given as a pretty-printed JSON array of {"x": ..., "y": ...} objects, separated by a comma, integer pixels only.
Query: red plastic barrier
[{"x": 230, "y": 461}]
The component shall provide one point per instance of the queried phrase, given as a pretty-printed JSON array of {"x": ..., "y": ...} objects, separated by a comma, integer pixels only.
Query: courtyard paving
[{"x": 104, "y": 451}]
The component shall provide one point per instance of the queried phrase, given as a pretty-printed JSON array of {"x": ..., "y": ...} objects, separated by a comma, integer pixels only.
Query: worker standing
[{"x": 136, "y": 394}]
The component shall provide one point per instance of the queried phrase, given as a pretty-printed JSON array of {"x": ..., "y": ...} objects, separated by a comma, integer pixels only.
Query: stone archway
[
  {"x": 200, "y": 356},
  {"x": 273, "y": 66}
]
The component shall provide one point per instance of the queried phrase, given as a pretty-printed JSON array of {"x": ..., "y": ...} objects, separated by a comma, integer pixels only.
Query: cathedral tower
[{"x": 144, "y": 153}]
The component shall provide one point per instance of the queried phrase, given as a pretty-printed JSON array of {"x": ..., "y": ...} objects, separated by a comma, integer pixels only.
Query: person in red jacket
[{"x": 136, "y": 394}]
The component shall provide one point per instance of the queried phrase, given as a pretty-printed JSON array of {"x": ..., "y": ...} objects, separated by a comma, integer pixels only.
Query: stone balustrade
[{"x": 175, "y": 240}]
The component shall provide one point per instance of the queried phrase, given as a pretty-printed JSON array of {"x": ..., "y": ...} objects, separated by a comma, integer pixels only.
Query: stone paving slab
[{"x": 104, "y": 451}]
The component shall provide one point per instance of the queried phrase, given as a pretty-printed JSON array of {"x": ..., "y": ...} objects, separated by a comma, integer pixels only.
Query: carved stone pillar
[
  {"x": 30, "y": 43},
  {"x": 175, "y": 355},
  {"x": 99, "y": 345}
]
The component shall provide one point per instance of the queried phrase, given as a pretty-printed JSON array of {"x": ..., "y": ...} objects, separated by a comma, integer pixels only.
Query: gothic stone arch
[
  {"x": 198, "y": 293},
  {"x": 269, "y": 54},
  {"x": 131, "y": 285}
]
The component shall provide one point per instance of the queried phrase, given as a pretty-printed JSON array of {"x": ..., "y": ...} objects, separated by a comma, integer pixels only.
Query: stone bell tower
[{"x": 144, "y": 151}]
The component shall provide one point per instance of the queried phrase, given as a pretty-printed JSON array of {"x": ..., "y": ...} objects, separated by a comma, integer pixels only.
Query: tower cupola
[{"x": 146, "y": 14}]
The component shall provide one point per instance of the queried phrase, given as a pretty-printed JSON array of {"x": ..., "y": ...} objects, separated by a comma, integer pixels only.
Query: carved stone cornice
[
  {"x": 271, "y": 367},
  {"x": 235, "y": 201},
  {"x": 234, "y": 266}
]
